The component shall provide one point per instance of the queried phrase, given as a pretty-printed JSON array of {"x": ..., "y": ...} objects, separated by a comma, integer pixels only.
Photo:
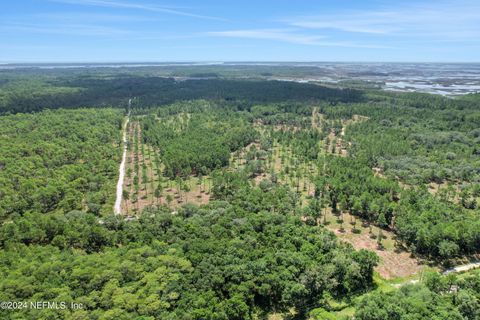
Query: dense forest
[
  {"x": 225, "y": 260},
  {"x": 197, "y": 144},
  {"x": 58, "y": 161},
  {"x": 242, "y": 199},
  {"x": 19, "y": 94}
]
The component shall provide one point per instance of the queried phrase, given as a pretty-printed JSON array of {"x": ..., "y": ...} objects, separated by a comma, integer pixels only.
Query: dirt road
[{"x": 117, "y": 208}]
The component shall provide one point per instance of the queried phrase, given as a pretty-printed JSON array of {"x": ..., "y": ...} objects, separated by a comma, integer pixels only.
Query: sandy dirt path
[
  {"x": 117, "y": 208},
  {"x": 463, "y": 268}
]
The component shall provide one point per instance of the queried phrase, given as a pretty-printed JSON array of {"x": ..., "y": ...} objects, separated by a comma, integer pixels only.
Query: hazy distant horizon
[
  {"x": 444, "y": 78},
  {"x": 227, "y": 62}
]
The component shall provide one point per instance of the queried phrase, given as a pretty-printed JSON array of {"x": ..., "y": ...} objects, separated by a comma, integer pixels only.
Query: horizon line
[{"x": 215, "y": 62}]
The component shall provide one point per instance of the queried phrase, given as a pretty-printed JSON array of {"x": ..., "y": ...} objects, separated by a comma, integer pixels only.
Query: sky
[{"x": 239, "y": 30}]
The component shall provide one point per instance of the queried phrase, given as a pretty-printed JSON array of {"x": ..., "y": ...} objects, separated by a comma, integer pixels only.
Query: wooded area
[{"x": 236, "y": 197}]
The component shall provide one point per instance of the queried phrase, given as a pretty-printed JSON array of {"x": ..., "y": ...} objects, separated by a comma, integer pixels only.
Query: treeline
[
  {"x": 196, "y": 143},
  {"x": 424, "y": 100},
  {"x": 241, "y": 257},
  {"x": 436, "y": 228},
  {"x": 58, "y": 161},
  {"x": 99, "y": 91}
]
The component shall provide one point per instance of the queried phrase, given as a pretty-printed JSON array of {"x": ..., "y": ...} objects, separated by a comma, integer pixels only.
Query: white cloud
[
  {"x": 85, "y": 17},
  {"x": 288, "y": 35},
  {"x": 270, "y": 34},
  {"x": 136, "y": 6},
  {"x": 447, "y": 19},
  {"x": 67, "y": 29},
  {"x": 360, "y": 23}
]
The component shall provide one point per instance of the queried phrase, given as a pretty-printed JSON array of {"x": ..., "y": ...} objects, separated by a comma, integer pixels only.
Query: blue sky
[{"x": 240, "y": 30}]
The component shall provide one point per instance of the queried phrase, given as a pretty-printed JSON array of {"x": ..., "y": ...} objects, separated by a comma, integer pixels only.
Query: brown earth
[{"x": 395, "y": 261}]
